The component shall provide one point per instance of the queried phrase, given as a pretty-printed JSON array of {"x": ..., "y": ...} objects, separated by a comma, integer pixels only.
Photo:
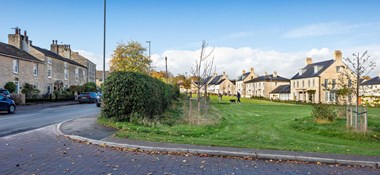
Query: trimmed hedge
[{"x": 128, "y": 94}]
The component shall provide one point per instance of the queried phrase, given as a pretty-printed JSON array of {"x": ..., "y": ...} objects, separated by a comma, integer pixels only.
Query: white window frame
[
  {"x": 49, "y": 61},
  {"x": 35, "y": 69},
  {"x": 65, "y": 74},
  {"x": 77, "y": 72},
  {"x": 65, "y": 64},
  {"x": 51, "y": 72},
  {"x": 16, "y": 66}
]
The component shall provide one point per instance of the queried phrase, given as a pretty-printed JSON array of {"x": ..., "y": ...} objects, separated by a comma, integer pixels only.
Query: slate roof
[
  {"x": 14, "y": 52},
  {"x": 373, "y": 81},
  {"x": 220, "y": 82},
  {"x": 207, "y": 80},
  {"x": 283, "y": 89},
  {"x": 310, "y": 69},
  {"x": 243, "y": 76},
  {"x": 268, "y": 78},
  {"x": 215, "y": 80},
  {"x": 56, "y": 56}
]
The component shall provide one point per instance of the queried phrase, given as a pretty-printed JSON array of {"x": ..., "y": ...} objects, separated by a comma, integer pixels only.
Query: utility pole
[
  {"x": 166, "y": 65},
  {"x": 150, "y": 68},
  {"x": 104, "y": 44}
]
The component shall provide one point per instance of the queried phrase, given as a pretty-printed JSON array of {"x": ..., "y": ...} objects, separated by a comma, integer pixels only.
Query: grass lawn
[{"x": 264, "y": 125}]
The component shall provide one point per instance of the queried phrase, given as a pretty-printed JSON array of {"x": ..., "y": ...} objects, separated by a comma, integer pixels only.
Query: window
[
  {"x": 77, "y": 72},
  {"x": 297, "y": 84},
  {"x": 303, "y": 83},
  {"x": 65, "y": 64},
  {"x": 308, "y": 83},
  {"x": 349, "y": 83},
  {"x": 66, "y": 75},
  {"x": 84, "y": 74},
  {"x": 327, "y": 98},
  {"x": 35, "y": 69},
  {"x": 294, "y": 84},
  {"x": 49, "y": 72},
  {"x": 49, "y": 88},
  {"x": 49, "y": 61},
  {"x": 326, "y": 83},
  {"x": 333, "y": 83},
  {"x": 15, "y": 66},
  {"x": 332, "y": 96}
]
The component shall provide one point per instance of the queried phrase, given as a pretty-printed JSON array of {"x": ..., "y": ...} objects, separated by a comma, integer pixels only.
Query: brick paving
[{"x": 43, "y": 152}]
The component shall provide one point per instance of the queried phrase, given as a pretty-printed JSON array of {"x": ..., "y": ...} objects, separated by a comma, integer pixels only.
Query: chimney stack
[
  {"x": 16, "y": 31},
  {"x": 25, "y": 33},
  {"x": 274, "y": 74},
  {"x": 338, "y": 55},
  {"x": 214, "y": 73},
  {"x": 309, "y": 61},
  {"x": 243, "y": 71},
  {"x": 30, "y": 42},
  {"x": 265, "y": 73},
  {"x": 252, "y": 70}
]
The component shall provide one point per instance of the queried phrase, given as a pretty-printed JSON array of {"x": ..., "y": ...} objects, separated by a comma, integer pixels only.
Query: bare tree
[
  {"x": 361, "y": 65},
  {"x": 202, "y": 69}
]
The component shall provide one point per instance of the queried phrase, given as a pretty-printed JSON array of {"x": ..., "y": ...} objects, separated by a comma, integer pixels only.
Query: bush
[
  {"x": 89, "y": 87},
  {"x": 11, "y": 87},
  {"x": 75, "y": 88},
  {"x": 30, "y": 90},
  {"x": 323, "y": 112},
  {"x": 127, "y": 93},
  {"x": 18, "y": 98}
]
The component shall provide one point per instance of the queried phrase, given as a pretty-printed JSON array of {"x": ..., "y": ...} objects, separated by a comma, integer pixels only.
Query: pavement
[
  {"x": 43, "y": 151},
  {"x": 87, "y": 130},
  {"x": 29, "y": 107}
]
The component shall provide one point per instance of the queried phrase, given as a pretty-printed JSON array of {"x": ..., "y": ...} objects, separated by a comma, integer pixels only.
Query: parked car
[
  {"x": 88, "y": 97},
  {"x": 99, "y": 102},
  {"x": 7, "y": 104},
  {"x": 5, "y": 93}
]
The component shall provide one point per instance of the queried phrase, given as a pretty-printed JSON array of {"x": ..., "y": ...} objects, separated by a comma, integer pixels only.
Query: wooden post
[
  {"x": 365, "y": 120},
  {"x": 347, "y": 117},
  {"x": 351, "y": 117}
]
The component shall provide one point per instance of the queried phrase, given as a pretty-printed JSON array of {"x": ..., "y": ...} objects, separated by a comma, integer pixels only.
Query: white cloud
[
  {"x": 322, "y": 29},
  {"x": 234, "y": 60}
]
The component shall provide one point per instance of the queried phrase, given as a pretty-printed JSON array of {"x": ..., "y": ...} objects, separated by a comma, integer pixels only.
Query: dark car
[
  {"x": 99, "y": 102},
  {"x": 7, "y": 104},
  {"x": 88, "y": 97},
  {"x": 5, "y": 93}
]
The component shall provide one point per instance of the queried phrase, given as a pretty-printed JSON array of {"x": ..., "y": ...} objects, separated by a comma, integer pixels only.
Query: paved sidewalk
[
  {"x": 38, "y": 106},
  {"x": 87, "y": 129}
]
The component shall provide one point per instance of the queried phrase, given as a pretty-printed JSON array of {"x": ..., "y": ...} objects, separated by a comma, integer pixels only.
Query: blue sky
[{"x": 246, "y": 33}]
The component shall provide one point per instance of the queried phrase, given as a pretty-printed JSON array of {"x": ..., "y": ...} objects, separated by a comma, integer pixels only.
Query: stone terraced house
[
  {"x": 241, "y": 82},
  {"x": 318, "y": 82},
  {"x": 261, "y": 86},
  {"x": 370, "y": 91},
  {"x": 22, "y": 62}
]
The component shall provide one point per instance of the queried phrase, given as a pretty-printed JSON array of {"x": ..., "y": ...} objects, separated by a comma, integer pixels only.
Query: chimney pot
[
  {"x": 16, "y": 30},
  {"x": 243, "y": 71},
  {"x": 274, "y": 74},
  {"x": 337, "y": 55},
  {"x": 19, "y": 31},
  {"x": 25, "y": 33},
  {"x": 309, "y": 60}
]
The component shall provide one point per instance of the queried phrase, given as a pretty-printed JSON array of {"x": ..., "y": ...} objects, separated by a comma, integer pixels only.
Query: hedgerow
[{"x": 131, "y": 94}]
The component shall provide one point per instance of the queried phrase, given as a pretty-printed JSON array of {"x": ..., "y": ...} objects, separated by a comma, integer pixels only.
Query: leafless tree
[
  {"x": 202, "y": 69},
  {"x": 361, "y": 65}
]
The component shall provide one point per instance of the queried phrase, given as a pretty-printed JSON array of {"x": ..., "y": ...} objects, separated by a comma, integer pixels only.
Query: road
[{"x": 37, "y": 118}]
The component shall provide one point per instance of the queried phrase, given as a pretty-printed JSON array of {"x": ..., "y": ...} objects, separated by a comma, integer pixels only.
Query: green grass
[{"x": 264, "y": 125}]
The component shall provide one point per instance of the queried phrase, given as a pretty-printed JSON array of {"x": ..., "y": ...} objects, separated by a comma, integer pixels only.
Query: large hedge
[{"x": 127, "y": 94}]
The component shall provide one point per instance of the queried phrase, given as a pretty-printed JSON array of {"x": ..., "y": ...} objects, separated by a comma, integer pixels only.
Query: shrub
[
  {"x": 75, "y": 88},
  {"x": 89, "y": 87},
  {"x": 30, "y": 90},
  {"x": 18, "y": 98},
  {"x": 11, "y": 87},
  {"x": 127, "y": 93},
  {"x": 323, "y": 112}
]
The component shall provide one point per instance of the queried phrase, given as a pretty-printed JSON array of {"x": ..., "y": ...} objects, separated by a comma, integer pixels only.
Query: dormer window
[{"x": 317, "y": 69}]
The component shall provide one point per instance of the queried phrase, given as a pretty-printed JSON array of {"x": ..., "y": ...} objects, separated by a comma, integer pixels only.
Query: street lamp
[
  {"x": 149, "y": 47},
  {"x": 104, "y": 44}
]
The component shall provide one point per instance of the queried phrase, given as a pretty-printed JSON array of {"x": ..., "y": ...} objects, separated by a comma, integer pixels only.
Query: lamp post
[
  {"x": 149, "y": 48},
  {"x": 104, "y": 44},
  {"x": 166, "y": 69}
]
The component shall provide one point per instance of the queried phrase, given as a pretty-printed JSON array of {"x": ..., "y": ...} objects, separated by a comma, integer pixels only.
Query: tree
[
  {"x": 361, "y": 66},
  {"x": 11, "y": 87},
  {"x": 130, "y": 57},
  {"x": 202, "y": 69},
  {"x": 89, "y": 87}
]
